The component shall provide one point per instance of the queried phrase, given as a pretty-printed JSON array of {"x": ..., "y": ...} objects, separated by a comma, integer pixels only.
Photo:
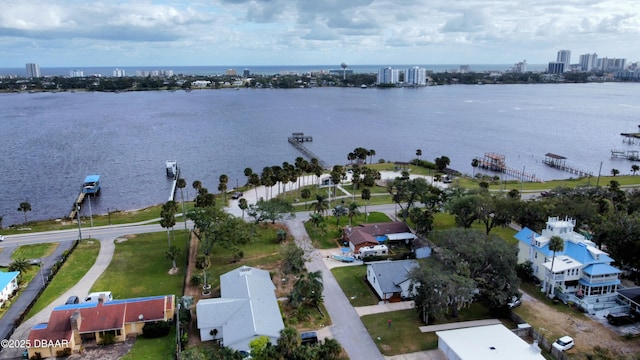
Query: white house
[
  {"x": 390, "y": 279},
  {"x": 246, "y": 310},
  {"x": 582, "y": 273},
  {"x": 8, "y": 284},
  {"x": 485, "y": 343}
]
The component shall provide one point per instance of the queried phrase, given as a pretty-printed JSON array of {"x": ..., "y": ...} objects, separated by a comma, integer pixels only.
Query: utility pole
[{"x": 78, "y": 214}]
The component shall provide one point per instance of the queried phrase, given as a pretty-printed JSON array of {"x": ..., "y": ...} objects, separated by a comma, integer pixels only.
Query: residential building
[
  {"x": 391, "y": 233},
  {"x": 556, "y": 67},
  {"x": 246, "y": 310},
  {"x": 613, "y": 64},
  {"x": 71, "y": 327},
  {"x": 76, "y": 73},
  {"x": 416, "y": 76},
  {"x": 581, "y": 272},
  {"x": 564, "y": 56},
  {"x": 390, "y": 279},
  {"x": 33, "y": 70},
  {"x": 520, "y": 67},
  {"x": 388, "y": 76},
  {"x": 8, "y": 285},
  {"x": 486, "y": 342},
  {"x": 588, "y": 62}
]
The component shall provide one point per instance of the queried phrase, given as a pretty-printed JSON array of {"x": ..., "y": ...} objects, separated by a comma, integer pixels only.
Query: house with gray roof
[
  {"x": 246, "y": 310},
  {"x": 390, "y": 279}
]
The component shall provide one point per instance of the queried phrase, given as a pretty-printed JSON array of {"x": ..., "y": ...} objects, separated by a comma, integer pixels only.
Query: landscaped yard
[
  {"x": 352, "y": 280},
  {"x": 327, "y": 237},
  {"x": 76, "y": 266},
  {"x": 139, "y": 267}
]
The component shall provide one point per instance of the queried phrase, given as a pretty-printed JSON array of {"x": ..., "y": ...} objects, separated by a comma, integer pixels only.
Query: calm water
[{"x": 51, "y": 141}]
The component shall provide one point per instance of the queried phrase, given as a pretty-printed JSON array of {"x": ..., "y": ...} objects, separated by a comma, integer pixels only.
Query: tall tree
[
  {"x": 24, "y": 207},
  {"x": 366, "y": 196},
  {"x": 21, "y": 265},
  {"x": 442, "y": 163},
  {"x": 222, "y": 187},
  {"x": 321, "y": 205},
  {"x": 242, "y": 204},
  {"x": 353, "y": 210},
  {"x": 371, "y": 154},
  {"x": 419, "y": 154},
  {"x": 168, "y": 217},
  {"x": 181, "y": 184},
  {"x": 474, "y": 164},
  {"x": 556, "y": 243},
  {"x": 172, "y": 254},
  {"x": 635, "y": 168}
]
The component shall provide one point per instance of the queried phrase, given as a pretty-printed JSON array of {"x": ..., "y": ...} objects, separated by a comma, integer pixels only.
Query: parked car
[
  {"x": 618, "y": 319},
  {"x": 237, "y": 195},
  {"x": 72, "y": 300},
  {"x": 514, "y": 302},
  {"x": 564, "y": 343}
]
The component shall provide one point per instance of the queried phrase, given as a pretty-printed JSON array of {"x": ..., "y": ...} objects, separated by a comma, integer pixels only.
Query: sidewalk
[{"x": 383, "y": 308}]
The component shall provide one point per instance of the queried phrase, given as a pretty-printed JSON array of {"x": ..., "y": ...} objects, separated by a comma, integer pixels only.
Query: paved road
[{"x": 347, "y": 327}]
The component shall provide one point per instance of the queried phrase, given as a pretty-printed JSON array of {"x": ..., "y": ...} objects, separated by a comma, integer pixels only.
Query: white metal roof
[{"x": 491, "y": 342}]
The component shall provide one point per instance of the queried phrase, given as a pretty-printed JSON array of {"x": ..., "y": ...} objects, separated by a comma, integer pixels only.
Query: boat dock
[
  {"x": 496, "y": 162},
  {"x": 174, "y": 183},
  {"x": 633, "y": 155},
  {"x": 90, "y": 186},
  {"x": 559, "y": 162},
  {"x": 297, "y": 139}
]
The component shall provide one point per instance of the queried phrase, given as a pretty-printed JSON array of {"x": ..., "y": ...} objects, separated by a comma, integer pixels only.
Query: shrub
[
  {"x": 108, "y": 338},
  {"x": 195, "y": 280},
  {"x": 156, "y": 329}
]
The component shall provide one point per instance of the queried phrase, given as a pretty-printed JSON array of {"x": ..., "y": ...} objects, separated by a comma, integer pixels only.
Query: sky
[{"x": 76, "y": 33}]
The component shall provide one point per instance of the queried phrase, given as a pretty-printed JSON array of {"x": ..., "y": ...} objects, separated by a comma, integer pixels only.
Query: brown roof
[
  {"x": 102, "y": 316},
  {"x": 360, "y": 237},
  {"x": 385, "y": 228}
]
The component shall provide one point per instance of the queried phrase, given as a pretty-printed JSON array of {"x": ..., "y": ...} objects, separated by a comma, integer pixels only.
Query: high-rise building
[
  {"x": 588, "y": 62},
  {"x": 118, "y": 73},
  {"x": 564, "y": 56},
  {"x": 416, "y": 76},
  {"x": 520, "y": 67},
  {"x": 33, "y": 70},
  {"x": 388, "y": 76},
  {"x": 76, "y": 73},
  {"x": 555, "y": 67}
]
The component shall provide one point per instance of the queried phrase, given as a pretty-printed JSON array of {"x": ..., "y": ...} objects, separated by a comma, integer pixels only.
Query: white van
[{"x": 95, "y": 296}]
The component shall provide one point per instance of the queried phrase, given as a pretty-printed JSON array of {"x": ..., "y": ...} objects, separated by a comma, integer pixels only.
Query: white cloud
[{"x": 286, "y": 31}]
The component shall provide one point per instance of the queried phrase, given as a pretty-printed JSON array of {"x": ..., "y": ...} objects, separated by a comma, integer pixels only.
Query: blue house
[
  {"x": 8, "y": 284},
  {"x": 581, "y": 272}
]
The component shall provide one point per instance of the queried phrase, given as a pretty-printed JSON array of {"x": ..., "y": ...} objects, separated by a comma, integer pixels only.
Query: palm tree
[
  {"x": 242, "y": 204},
  {"x": 366, "y": 196},
  {"x": 254, "y": 180},
  {"x": 168, "y": 217},
  {"x": 474, "y": 164},
  {"x": 172, "y": 254},
  {"x": 321, "y": 205},
  {"x": 556, "y": 243},
  {"x": 419, "y": 154},
  {"x": 353, "y": 210},
  {"x": 224, "y": 179},
  {"x": 21, "y": 265},
  {"x": 635, "y": 168},
  {"x": 316, "y": 219},
  {"x": 24, "y": 207},
  {"x": 371, "y": 154},
  {"x": 615, "y": 172},
  {"x": 181, "y": 184}
]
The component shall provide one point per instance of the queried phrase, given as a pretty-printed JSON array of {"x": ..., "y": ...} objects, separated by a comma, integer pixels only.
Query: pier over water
[{"x": 297, "y": 139}]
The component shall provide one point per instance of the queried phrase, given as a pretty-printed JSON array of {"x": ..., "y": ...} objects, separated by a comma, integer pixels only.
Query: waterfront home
[
  {"x": 581, "y": 274},
  {"x": 390, "y": 279},
  {"x": 71, "y": 327},
  {"x": 246, "y": 310},
  {"x": 389, "y": 233},
  {"x": 8, "y": 285}
]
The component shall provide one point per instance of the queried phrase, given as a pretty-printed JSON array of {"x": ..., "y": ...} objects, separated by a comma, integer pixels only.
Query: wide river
[{"x": 51, "y": 141}]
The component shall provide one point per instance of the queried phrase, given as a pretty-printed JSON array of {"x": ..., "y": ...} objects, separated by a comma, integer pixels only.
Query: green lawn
[
  {"x": 162, "y": 348},
  {"x": 139, "y": 267},
  {"x": 34, "y": 251},
  {"x": 76, "y": 266},
  {"x": 352, "y": 280}
]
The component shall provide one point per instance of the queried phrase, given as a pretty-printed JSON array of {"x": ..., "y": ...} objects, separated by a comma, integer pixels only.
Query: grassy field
[
  {"x": 139, "y": 267},
  {"x": 352, "y": 280},
  {"x": 153, "y": 349},
  {"x": 76, "y": 266},
  {"x": 34, "y": 251}
]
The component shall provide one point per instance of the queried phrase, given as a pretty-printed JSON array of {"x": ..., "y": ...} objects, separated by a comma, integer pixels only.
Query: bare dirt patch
[{"x": 588, "y": 332}]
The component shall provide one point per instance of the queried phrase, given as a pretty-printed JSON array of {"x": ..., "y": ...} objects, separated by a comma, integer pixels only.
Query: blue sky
[{"x": 76, "y": 33}]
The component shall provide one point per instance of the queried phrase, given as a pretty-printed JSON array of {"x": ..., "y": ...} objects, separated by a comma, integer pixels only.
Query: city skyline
[{"x": 59, "y": 33}]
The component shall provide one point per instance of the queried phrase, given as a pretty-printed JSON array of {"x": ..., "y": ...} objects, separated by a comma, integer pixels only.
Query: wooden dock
[
  {"x": 74, "y": 209},
  {"x": 496, "y": 162},
  {"x": 174, "y": 184},
  {"x": 297, "y": 140},
  {"x": 633, "y": 155},
  {"x": 559, "y": 162}
]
